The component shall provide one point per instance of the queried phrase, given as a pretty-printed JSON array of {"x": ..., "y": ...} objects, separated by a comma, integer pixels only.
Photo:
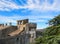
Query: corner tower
[{"x": 21, "y": 23}]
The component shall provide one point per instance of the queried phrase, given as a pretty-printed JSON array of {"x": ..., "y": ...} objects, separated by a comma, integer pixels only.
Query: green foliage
[
  {"x": 53, "y": 30},
  {"x": 52, "y": 33},
  {"x": 48, "y": 40},
  {"x": 55, "y": 21}
]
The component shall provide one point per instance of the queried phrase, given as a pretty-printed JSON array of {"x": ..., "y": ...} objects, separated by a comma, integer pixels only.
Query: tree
[
  {"x": 52, "y": 33},
  {"x": 55, "y": 21}
]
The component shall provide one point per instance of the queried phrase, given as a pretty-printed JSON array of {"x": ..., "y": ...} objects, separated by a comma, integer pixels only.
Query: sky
[{"x": 37, "y": 11}]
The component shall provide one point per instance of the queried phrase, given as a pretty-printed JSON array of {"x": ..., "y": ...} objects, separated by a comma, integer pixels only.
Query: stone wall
[
  {"x": 31, "y": 29},
  {"x": 11, "y": 40},
  {"x": 21, "y": 38},
  {"x": 6, "y": 31}
]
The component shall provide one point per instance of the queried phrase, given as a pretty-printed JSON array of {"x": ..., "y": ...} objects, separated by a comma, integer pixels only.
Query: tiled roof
[
  {"x": 15, "y": 32},
  {"x": 1, "y": 27}
]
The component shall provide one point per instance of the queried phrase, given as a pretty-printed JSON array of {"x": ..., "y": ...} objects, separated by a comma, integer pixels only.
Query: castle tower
[
  {"x": 29, "y": 28},
  {"x": 32, "y": 31},
  {"x": 21, "y": 23}
]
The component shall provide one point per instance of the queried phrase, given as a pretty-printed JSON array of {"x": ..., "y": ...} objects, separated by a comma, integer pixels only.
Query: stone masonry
[{"x": 23, "y": 33}]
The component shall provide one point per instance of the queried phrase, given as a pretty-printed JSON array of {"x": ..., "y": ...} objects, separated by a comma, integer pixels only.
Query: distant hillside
[{"x": 39, "y": 32}]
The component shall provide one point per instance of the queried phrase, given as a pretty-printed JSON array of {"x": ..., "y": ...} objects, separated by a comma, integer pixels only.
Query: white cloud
[
  {"x": 5, "y": 19},
  {"x": 7, "y": 5},
  {"x": 31, "y": 18},
  {"x": 13, "y": 19},
  {"x": 45, "y": 6},
  {"x": 37, "y": 20}
]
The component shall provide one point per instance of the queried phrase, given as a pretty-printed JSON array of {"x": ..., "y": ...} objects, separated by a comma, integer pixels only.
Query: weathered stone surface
[{"x": 23, "y": 33}]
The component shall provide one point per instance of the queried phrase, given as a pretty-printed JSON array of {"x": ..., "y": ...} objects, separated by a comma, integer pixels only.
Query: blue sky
[{"x": 37, "y": 11}]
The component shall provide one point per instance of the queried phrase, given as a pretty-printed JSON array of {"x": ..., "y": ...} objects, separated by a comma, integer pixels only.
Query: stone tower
[
  {"x": 22, "y": 23},
  {"x": 29, "y": 28}
]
